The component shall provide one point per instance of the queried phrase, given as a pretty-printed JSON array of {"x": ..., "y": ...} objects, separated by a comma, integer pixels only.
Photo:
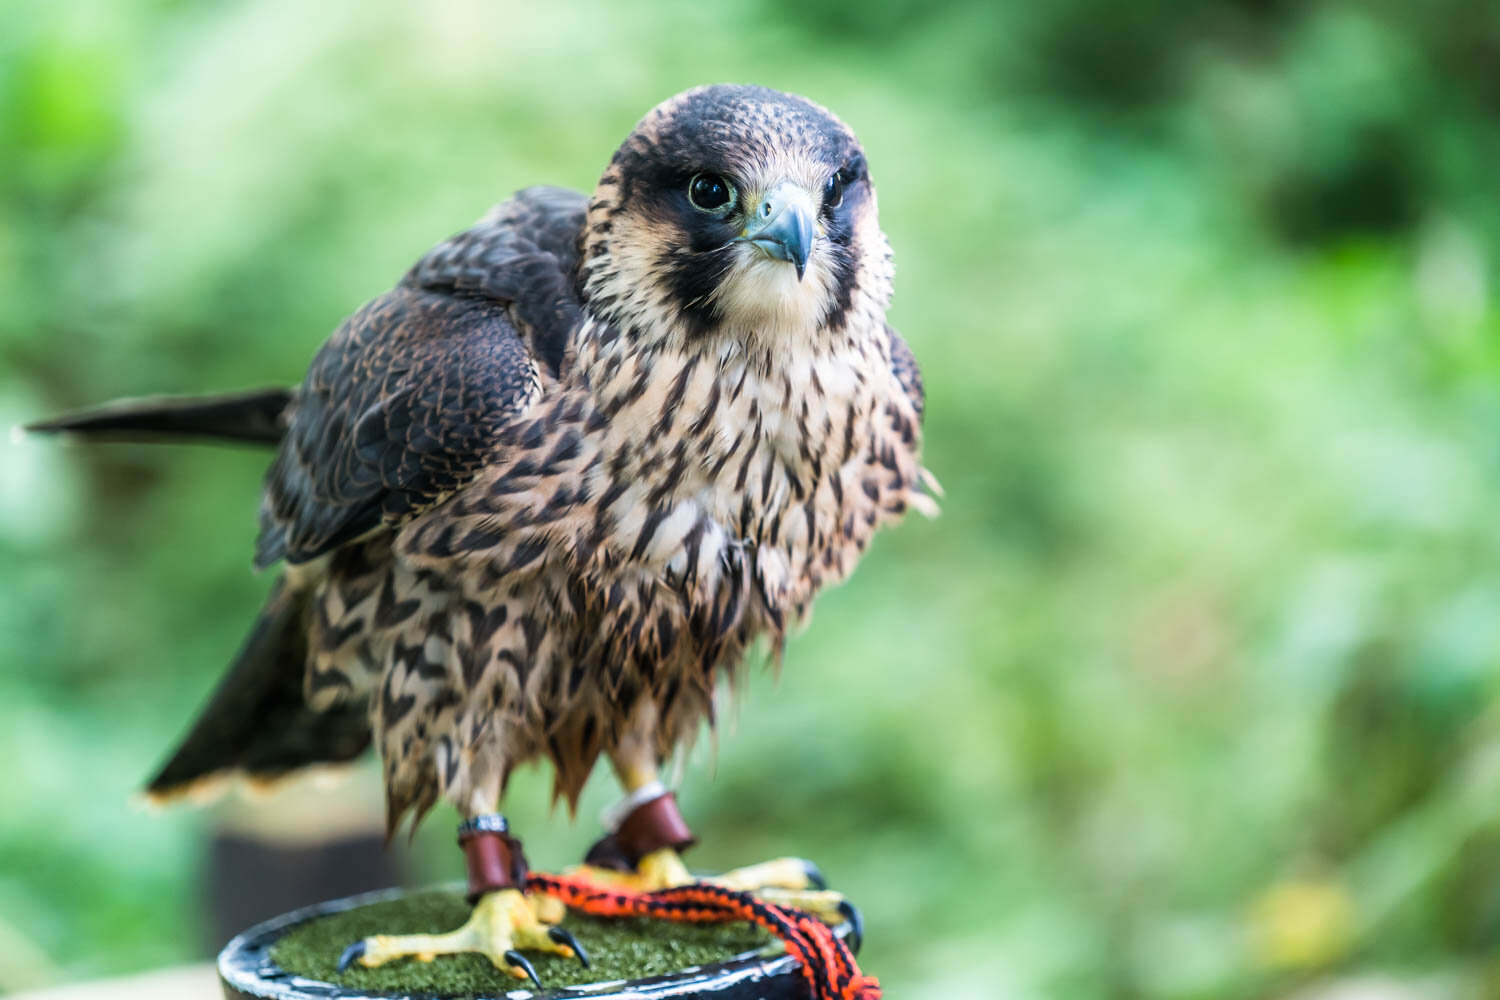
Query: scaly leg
[
  {"x": 648, "y": 817},
  {"x": 503, "y": 924},
  {"x": 505, "y": 921}
]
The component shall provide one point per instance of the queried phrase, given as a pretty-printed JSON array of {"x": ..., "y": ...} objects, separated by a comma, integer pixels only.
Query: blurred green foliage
[{"x": 1192, "y": 689}]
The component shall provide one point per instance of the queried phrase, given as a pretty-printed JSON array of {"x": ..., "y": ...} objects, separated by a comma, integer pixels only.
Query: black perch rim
[{"x": 248, "y": 972}]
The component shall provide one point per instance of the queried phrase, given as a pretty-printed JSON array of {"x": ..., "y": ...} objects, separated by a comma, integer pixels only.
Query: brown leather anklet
[
  {"x": 493, "y": 856},
  {"x": 648, "y": 827}
]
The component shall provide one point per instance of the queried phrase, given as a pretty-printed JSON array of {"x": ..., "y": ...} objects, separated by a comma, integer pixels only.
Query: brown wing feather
[{"x": 401, "y": 405}]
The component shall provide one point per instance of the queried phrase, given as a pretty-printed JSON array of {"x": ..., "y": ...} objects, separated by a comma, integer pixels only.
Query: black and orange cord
[{"x": 824, "y": 959}]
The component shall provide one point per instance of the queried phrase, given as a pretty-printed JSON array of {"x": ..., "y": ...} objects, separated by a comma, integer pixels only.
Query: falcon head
[{"x": 739, "y": 213}]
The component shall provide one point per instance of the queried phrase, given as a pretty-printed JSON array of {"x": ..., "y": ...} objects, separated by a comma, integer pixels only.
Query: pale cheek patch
[{"x": 763, "y": 296}]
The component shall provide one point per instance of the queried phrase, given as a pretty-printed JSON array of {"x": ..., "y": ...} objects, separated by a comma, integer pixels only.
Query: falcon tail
[
  {"x": 256, "y": 416},
  {"x": 257, "y": 725}
]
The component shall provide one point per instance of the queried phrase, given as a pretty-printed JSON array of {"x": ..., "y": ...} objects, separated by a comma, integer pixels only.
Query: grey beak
[{"x": 782, "y": 226}]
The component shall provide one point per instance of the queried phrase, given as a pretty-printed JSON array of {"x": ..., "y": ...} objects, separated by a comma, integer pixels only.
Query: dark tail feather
[
  {"x": 257, "y": 723},
  {"x": 256, "y": 415}
]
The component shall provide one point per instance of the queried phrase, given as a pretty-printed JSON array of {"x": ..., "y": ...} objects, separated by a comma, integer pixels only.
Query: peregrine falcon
[{"x": 539, "y": 500}]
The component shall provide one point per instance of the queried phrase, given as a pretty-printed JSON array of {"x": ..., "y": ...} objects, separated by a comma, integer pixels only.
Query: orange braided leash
[{"x": 825, "y": 961}]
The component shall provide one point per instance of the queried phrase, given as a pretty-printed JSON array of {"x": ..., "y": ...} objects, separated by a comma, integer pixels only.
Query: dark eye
[
  {"x": 833, "y": 191},
  {"x": 711, "y": 193}
]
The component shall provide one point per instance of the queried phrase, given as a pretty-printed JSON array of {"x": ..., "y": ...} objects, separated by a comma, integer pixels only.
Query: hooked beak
[{"x": 782, "y": 225}]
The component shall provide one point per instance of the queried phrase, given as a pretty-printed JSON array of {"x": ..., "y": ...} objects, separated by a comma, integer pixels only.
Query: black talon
[
  {"x": 354, "y": 951},
  {"x": 564, "y": 936},
  {"x": 814, "y": 875},
  {"x": 518, "y": 960},
  {"x": 856, "y": 925}
]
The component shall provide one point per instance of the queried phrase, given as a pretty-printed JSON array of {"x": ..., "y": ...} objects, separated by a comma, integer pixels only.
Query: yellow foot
[
  {"x": 782, "y": 882},
  {"x": 503, "y": 924},
  {"x": 661, "y": 869},
  {"x": 782, "y": 873}
]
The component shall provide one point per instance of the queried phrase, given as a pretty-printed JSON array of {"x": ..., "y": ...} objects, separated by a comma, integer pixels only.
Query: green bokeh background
[{"x": 1192, "y": 689}]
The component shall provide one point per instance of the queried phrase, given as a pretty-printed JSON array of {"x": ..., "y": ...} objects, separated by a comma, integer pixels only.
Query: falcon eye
[
  {"x": 833, "y": 191},
  {"x": 711, "y": 193}
]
